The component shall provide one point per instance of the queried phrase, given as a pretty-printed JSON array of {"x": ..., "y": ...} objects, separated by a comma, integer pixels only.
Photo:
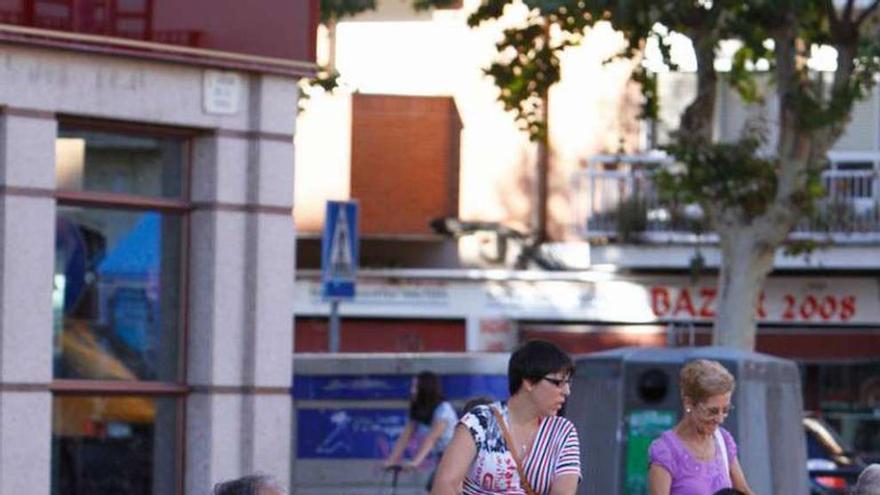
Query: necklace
[
  {"x": 528, "y": 435},
  {"x": 701, "y": 448}
]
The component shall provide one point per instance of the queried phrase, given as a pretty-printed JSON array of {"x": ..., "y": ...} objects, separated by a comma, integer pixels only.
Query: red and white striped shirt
[{"x": 555, "y": 451}]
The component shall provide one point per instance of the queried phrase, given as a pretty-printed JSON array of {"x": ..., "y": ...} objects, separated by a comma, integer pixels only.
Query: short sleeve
[
  {"x": 660, "y": 454},
  {"x": 730, "y": 443},
  {"x": 444, "y": 411},
  {"x": 477, "y": 422},
  {"x": 569, "y": 460}
]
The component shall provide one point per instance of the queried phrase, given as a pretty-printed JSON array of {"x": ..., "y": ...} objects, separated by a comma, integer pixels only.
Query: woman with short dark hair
[{"x": 518, "y": 446}]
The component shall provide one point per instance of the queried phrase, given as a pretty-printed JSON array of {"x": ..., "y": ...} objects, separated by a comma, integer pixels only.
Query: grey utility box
[
  {"x": 348, "y": 409},
  {"x": 624, "y": 398}
]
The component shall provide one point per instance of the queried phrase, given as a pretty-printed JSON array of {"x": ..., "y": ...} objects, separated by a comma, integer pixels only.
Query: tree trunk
[
  {"x": 542, "y": 172},
  {"x": 542, "y": 177},
  {"x": 331, "y": 45},
  {"x": 746, "y": 261}
]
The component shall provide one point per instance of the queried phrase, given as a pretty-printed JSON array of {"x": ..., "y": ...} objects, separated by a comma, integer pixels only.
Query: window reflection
[
  {"x": 118, "y": 163},
  {"x": 116, "y": 294},
  {"x": 847, "y": 396},
  {"x": 103, "y": 445}
]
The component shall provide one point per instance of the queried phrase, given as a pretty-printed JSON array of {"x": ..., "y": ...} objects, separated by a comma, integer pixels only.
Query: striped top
[{"x": 555, "y": 451}]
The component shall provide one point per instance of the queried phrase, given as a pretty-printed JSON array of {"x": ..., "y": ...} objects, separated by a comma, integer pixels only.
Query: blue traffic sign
[{"x": 339, "y": 251}]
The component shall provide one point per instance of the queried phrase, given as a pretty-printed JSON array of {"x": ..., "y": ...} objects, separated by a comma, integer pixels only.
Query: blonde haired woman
[{"x": 698, "y": 456}]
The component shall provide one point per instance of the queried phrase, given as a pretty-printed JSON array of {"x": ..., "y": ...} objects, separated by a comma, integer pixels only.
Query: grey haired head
[
  {"x": 869, "y": 481},
  {"x": 248, "y": 485}
]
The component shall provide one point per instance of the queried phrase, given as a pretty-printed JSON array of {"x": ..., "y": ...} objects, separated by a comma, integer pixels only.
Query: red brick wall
[
  {"x": 404, "y": 161},
  {"x": 381, "y": 335}
]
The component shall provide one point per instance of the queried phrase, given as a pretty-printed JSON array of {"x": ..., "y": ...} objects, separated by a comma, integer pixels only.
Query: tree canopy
[{"x": 755, "y": 188}]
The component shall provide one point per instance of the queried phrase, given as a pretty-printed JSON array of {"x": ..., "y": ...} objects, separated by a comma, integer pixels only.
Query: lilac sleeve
[
  {"x": 730, "y": 443},
  {"x": 660, "y": 454}
]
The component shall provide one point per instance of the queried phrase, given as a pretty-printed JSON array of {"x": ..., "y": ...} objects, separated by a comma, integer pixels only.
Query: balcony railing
[{"x": 616, "y": 198}]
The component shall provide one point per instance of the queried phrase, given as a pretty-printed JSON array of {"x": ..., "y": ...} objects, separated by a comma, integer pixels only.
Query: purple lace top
[{"x": 691, "y": 476}]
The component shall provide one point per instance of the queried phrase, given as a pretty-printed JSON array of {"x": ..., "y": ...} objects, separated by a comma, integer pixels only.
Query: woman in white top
[{"x": 427, "y": 409}]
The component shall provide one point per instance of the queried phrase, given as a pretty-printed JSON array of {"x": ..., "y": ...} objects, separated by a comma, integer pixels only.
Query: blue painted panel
[
  {"x": 348, "y": 433},
  {"x": 469, "y": 386},
  {"x": 351, "y": 387},
  {"x": 365, "y": 387}
]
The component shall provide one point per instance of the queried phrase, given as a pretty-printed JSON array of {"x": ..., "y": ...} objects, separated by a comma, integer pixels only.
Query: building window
[
  {"x": 117, "y": 293},
  {"x": 114, "y": 444},
  {"x": 118, "y": 306}
]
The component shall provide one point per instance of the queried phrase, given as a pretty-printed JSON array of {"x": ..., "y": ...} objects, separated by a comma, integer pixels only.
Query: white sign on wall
[
  {"x": 795, "y": 300},
  {"x": 221, "y": 92},
  {"x": 496, "y": 335}
]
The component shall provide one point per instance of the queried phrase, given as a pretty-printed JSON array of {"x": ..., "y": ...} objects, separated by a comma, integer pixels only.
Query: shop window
[
  {"x": 118, "y": 300},
  {"x": 109, "y": 445}
]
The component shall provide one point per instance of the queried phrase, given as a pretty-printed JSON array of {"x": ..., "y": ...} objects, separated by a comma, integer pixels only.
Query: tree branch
[
  {"x": 831, "y": 12},
  {"x": 793, "y": 148},
  {"x": 696, "y": 121},
  {"x": 799, "y": 148},
  {"x": 846, "y": 42},
  {"x": 847, "y": 10},
  {"x": 867, "y": 12},
  {"x": 787, "y": 85}
]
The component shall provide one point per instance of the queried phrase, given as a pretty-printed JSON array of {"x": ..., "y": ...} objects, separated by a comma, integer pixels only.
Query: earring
[{"x": 687, "y": 410}]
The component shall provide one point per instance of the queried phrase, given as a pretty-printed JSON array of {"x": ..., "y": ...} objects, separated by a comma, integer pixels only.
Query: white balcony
[{"x": 616, "y": 200}]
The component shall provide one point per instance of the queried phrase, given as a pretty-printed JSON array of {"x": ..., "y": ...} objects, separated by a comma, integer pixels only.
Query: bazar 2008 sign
[{"x": 786, "y": 300}]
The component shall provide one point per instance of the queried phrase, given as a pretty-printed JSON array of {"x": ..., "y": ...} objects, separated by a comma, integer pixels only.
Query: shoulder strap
[
  {"x": 511, "y": 447},
  {"x": 721, "y": 444}
]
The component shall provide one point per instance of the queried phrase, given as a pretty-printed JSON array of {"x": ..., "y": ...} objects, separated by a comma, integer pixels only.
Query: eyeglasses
[
  {"x": 558, "y": 381},
  {"x": 715, "y": 411}
]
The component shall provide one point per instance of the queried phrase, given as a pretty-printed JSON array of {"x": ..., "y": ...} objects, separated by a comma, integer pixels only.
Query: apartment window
[
  {"x": 852, "y": 181},
  {"x": 118, "y": 306}
]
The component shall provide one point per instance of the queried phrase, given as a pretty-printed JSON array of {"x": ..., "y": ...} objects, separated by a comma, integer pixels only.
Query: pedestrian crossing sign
[{"x": 339, "y": 251}]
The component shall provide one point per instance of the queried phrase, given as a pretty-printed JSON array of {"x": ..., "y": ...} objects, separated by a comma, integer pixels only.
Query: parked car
[{"x": 832, "y": 467}]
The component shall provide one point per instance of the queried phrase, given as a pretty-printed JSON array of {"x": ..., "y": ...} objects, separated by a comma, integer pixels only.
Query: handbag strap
[
  {"x": 721, "y": 444},
  {"x": 523, "y": 481}
]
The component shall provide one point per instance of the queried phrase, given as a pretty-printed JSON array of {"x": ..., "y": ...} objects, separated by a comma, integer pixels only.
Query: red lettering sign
[
  {"x": 684, "y": 302},
  {"x": 659, "y": 301},
  {"x": 707, "y": 302}
]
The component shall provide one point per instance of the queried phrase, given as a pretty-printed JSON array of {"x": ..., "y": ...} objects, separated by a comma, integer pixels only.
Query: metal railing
[{"x": 623, "y": 203}]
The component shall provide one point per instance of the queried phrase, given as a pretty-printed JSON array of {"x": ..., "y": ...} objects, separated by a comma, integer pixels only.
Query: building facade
[{"x": 146, "y": 151}]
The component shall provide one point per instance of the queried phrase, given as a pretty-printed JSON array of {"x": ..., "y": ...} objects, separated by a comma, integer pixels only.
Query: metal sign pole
[{"x": 334, "y": 327}]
